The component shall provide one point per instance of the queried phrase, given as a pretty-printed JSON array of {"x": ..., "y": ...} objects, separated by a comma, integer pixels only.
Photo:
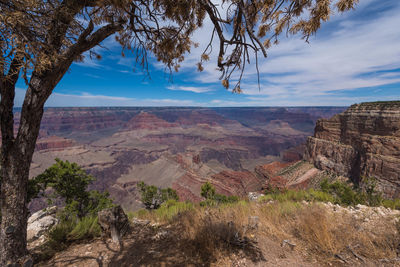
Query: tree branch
[{"x": 7, "y": 92}]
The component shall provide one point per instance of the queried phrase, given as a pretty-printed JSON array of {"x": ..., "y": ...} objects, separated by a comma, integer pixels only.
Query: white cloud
[
  {"x": 90, "y": 100},
  {"x": 190, "y": 89},
  {"x": 357, "y": 49}
]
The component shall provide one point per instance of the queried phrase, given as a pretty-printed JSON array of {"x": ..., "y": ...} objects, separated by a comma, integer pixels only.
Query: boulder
[
  {"x": 41, "y": 222},
  {"x": 114, "y": 222}
]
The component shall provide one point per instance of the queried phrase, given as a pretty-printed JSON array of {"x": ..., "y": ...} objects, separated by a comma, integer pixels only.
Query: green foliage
[
  {"x": 59, "y": 233},
  {"x": 373, "y": 197},
  {"x": 66, "y": 232},
  {"x": 207, "y": 191},
  {"x": 298, "y": 195},
  {"x": 342, "y": 193},
  {"x": 225, "y": 199},
  {"x": 391, "y": 203},
  {"x": 152, "y": 197},
  {"x": 336, "y": 192},
  {"x": 86, "y": 228},
  {"x": 69, "y": 182},
  {"x": 172, "y": 208},
  {"x": 166, "y": 212},
  {"x": 212, "y": 198}
]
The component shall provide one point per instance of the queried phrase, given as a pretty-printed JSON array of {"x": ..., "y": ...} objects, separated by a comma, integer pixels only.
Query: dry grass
[
  {"x": 217, "y": 232},
  {"x": 246, "y": 234}
]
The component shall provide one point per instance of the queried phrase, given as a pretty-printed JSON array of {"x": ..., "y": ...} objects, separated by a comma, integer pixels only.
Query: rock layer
[{"x": 363, "y": 141}]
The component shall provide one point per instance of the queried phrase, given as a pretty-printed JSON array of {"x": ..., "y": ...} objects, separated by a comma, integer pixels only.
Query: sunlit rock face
[{"x": 363, "y": 141}]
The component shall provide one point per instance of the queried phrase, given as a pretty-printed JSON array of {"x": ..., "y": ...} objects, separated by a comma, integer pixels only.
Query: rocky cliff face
[
  {"x": 53, "y": 143},
  {"x": 363, "y": 141},
  {"x": 147, "y": 121}
]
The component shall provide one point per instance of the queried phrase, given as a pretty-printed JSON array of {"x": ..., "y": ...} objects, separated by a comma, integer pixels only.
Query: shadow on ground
[{"x": 147, "y": 246}]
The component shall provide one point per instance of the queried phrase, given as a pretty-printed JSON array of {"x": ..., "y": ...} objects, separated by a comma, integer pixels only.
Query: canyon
[{"x": 178, "y": 147}]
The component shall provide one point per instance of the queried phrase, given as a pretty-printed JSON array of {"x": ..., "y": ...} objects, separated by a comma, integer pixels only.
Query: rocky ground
[{"x": 330, "y": 235}]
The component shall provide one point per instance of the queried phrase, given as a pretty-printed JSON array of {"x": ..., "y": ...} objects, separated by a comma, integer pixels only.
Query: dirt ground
[{"x": 163, "y": 246}]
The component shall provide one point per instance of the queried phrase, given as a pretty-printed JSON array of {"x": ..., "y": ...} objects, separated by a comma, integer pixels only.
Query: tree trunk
[
  {"x": 16, "y": 157},
  {"x": 16, "y": 153},
  {"x": 15, "y": 172}
]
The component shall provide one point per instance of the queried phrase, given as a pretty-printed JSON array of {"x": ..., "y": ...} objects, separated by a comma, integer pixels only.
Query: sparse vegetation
[
  {"x": 298, "y": 195},
  {"x": 66, "y": 232},
  {"x": 291, "y": 168},
  {"x": 153, "y": 197},
  {"x": 336, "y": 192},
  {"x": 212, "y": 198},
  {"x": 78, "y": 218},
  {"x": 220, "y": 230},
  {"x": 68, "y": 182},
  {"x": 167, "y": 212}
]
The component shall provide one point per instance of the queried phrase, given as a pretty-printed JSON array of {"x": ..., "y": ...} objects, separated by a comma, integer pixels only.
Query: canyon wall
[{"x": 363, "y": 141}]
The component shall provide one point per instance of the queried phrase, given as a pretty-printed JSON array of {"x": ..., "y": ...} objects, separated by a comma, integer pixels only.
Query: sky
[{"x": 353, "y": 58}]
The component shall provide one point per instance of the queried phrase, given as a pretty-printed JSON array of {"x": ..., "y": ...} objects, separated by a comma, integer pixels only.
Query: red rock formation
[
  {"x": 363, "y": 141},
  {"x": 230, "y": 183},
  {"x": 237, "y": 183},
  {"x": 188, "y": 187},
  {"x": 147, "y": 121},
  {"x": 293, "y": 154},
  {"x": 269, "y": 174},
  {"x": 205, "y": 117},
  {"x": 53, "y": 143},
  {"x": 270, "y": 170},
  {"x": 57, "y": 120}
]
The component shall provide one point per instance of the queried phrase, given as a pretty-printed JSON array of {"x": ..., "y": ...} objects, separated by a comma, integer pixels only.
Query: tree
[
  {"x": 70, "y": 182},
  {"x": 39, "y": 40},
  {"x": 153, "y": 197},
  {"x": 212, "y": 198},
  {"x": 207, "y": 191}
]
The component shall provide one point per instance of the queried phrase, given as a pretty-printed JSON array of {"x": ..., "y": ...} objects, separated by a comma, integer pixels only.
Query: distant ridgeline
[{"x": 363, "y": 141}]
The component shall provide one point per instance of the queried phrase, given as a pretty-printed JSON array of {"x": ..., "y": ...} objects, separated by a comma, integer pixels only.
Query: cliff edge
[{"x": 363, "y": 141}]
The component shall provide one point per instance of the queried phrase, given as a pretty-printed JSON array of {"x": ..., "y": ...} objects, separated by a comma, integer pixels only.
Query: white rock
[
  {"x": 41, "y": 222},
  {"x": 42, "y": 213},
  {"x": 254, "y": 196},
  {"x": 361, "y": 207}
]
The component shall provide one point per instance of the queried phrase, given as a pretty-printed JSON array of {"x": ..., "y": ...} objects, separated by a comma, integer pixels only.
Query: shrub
[
  {"x": 153, "y": 197},
  {"x": 212, "y": 198},
  {"x": 299, "y": 195},
  {"x": 69, "y": 182},
  {"x": 172, "y": 208},
  {"x": 207, "y": 191},
  {"x": 85, "y": 228},
  {"x": 167, "y": 211},
  {"x": 338, "y": 193}
]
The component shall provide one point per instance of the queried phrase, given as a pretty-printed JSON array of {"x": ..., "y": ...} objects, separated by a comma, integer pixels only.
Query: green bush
[
  {"x": 336, "y": 192},
  {"x": 299, "y": 195},
  {"x": 166, "y": 212},
  {"x": 207, "y": 191},
  {"x": 391, "y": 203},
  {"x": 172, "y": 208},
  {"x": 343, "y": 193},
  {"x": 152, "y": 197},
  {"x": 212, "y": 198},
  {"x": 69, "y": 182},
  {"x": 85, "y": 228}
]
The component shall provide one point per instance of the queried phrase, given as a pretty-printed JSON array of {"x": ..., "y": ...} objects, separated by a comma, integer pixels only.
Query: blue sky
[{"x": 355, "y": 57}]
